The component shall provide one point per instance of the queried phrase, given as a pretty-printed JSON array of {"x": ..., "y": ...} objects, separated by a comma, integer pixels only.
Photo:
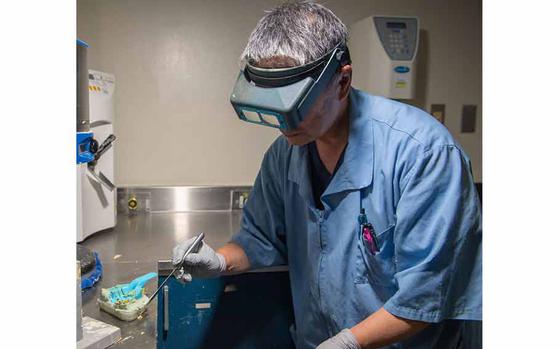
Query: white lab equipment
[
  {"x": 96, "y": 198},
  {"x": 383, "y": 51}
]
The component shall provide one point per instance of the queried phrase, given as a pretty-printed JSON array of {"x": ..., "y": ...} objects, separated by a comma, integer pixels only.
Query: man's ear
[{"x": 345, "y": 81}]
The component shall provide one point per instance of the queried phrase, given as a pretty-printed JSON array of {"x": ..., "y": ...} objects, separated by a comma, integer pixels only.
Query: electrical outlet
[
  {"x": 438, "y": 112},
  {"x": 468, "y": 122},
  {"x": 238, "y": 199}
]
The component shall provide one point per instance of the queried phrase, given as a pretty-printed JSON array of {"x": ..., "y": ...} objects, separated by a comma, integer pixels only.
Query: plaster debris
[{"x": 125, "y": 339}]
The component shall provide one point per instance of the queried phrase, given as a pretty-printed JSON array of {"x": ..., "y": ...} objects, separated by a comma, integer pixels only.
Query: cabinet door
[{"x": 252, "y": 310}]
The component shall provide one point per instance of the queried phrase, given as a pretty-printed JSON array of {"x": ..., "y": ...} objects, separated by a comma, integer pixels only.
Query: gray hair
[{"x": 302, "y": 31}]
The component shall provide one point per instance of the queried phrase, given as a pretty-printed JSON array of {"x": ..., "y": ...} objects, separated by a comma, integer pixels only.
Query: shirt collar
[{"x": 356, "y": 170}]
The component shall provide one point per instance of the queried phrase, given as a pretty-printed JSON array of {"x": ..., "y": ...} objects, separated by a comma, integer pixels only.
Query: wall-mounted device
[{"x": 383, "y": 51}]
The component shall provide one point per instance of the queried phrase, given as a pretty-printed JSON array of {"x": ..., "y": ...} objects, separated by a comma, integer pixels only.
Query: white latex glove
[
  {"x": 201, "y": 263},
  {"x": 343, "y": 340}
]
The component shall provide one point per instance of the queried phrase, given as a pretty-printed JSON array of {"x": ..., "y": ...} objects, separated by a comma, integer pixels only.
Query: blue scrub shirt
[{"x": 415, "y": 183}]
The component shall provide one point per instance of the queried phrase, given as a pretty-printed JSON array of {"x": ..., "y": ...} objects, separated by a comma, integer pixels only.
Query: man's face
[
  {"x": 320, "y": 118},
  {"x": 325, "y": 111}
]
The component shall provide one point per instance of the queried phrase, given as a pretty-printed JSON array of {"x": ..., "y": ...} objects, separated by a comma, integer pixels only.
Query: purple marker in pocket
[{"x": 368, "y": 236}]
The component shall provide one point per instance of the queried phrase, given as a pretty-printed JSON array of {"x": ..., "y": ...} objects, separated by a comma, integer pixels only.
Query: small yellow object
[{"x": 132, "y": 203}]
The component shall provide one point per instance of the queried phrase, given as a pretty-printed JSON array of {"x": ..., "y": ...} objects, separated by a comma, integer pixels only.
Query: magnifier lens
[
  {"x": 271, "y": 119},
  {"x": 251, "y": 116}
]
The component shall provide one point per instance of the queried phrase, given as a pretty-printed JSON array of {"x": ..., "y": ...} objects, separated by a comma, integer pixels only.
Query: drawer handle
[{"x": 165, "y": 308}]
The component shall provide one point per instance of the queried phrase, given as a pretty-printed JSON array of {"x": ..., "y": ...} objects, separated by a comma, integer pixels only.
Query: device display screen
[{"x": 396, "y": 25}]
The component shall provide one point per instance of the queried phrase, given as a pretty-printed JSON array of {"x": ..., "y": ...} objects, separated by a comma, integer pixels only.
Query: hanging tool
[{"x": 97, "y": 151}]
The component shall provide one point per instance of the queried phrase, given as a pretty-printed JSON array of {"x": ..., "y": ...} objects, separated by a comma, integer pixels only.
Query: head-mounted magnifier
[{"x": 282, "y": 97}]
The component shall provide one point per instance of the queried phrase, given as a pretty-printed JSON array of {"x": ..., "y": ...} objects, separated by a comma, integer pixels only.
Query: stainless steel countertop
[{"x": 141, "y": 241}]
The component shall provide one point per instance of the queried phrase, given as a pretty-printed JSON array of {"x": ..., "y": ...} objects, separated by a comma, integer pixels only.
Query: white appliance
[
  {"x": 96, "y": 201},
  {"x": 383, "y": 51}
]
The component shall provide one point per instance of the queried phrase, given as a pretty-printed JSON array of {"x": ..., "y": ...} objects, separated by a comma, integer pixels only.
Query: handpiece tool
[{"x": 196, "y": 242}]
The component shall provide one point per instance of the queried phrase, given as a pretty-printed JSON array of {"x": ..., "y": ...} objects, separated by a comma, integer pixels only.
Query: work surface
[{"x": 133, "y": 248}]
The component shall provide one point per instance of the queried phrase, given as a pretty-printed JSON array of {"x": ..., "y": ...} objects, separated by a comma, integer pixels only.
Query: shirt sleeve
[
  {"x": 438, "y": 238},
  {"x": 262, "y": 233}
]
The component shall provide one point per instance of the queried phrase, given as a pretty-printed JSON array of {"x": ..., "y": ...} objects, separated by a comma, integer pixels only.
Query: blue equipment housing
[
  {"x": 84, "y": 151},
  {"x": 82, "y": 43}
]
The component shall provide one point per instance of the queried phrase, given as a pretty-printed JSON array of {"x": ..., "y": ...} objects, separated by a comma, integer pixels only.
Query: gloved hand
[
  {"x": 202, "y": 262},
  {"x": 343, "y": 340}
]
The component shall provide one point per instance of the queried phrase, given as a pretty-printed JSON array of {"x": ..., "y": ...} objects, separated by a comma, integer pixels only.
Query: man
[{"x": 370, "y": 202}]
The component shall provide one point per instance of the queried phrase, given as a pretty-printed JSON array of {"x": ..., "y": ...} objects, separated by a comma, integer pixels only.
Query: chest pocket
[{"x": 376, "y": 268}]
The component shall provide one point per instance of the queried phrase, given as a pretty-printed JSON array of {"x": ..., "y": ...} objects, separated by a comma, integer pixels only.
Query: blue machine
[
  {"x": 246, "y": 311},
  {"x": 84, "y": 147}
]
